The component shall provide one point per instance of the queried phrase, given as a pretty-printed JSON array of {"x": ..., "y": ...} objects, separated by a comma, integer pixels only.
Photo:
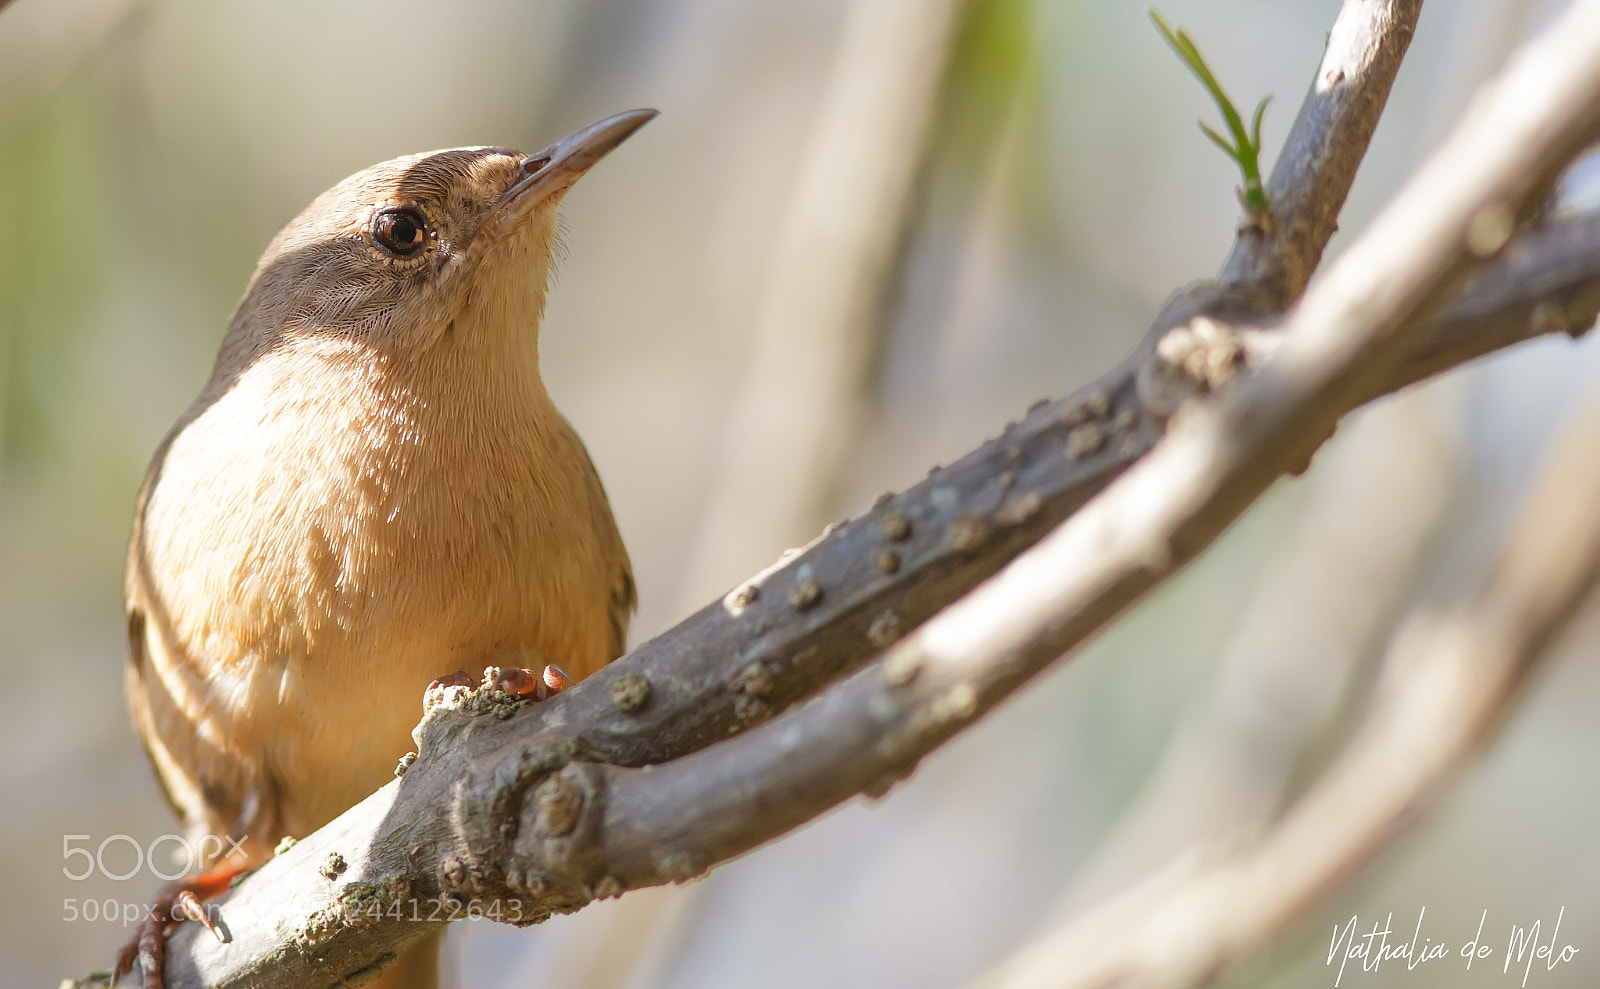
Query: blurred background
[{"x": 150, "y": 148}]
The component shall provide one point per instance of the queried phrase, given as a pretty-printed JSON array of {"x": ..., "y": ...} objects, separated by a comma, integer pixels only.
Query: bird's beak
[{"x": 554, "y": 170}]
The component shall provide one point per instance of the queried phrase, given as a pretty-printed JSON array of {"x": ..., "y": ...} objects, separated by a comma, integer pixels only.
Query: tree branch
[
  {"x": 525, "y": 808},
  {"x": 703, "y": 670},
  {"x": 1324, "y": 148},
  {"x": 1544, "y": 282},
  {"x": 1352, "y": 326},
  {"x": 1447, "y": 681},
  {"x": 872, "y": 729}
]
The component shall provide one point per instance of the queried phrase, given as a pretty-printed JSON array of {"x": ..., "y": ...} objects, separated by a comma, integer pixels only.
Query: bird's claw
[
  {"x": 176, "y": 903},
  {"x": 525, "y": 684},
  {"x": 519, "y": 682},
  {"x": 187, "y": 906}
]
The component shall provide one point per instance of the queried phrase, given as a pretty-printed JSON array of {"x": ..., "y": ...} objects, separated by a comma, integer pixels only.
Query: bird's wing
[
  {"x": 624, "y": 595},
  {"x": 137, "y": 676},
  {"x": 212, "y": 791}
]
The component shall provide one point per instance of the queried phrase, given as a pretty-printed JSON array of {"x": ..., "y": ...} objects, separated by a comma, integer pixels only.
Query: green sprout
[{"x": 1245, "y": 148}]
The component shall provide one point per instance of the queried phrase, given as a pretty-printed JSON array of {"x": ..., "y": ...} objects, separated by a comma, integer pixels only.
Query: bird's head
[{"x": 402, "y": 253}]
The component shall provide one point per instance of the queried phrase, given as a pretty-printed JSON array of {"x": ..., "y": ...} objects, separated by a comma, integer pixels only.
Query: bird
[{"x": 373, "y": 488}]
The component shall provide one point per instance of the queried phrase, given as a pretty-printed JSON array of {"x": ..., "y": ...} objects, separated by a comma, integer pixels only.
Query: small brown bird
[{"x": 373, "y": 489}]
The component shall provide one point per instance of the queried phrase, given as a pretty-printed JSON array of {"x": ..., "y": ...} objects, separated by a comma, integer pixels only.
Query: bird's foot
[
  {"x": 177, "y": 902},
  {"x": 526, "y": 684},
  {"x": 523, "y": 684},
  {"x": 449, "y": 687}
]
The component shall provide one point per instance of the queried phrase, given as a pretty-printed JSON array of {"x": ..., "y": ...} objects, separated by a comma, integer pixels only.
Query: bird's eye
[{"x": 401, "y": 232}]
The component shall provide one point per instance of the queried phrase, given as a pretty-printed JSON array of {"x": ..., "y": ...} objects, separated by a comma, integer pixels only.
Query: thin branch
[
  {"x": 1544, "y": 282},
  {"x": 1448, "y": 680},
  {"x": 1324, "y": 148}
]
